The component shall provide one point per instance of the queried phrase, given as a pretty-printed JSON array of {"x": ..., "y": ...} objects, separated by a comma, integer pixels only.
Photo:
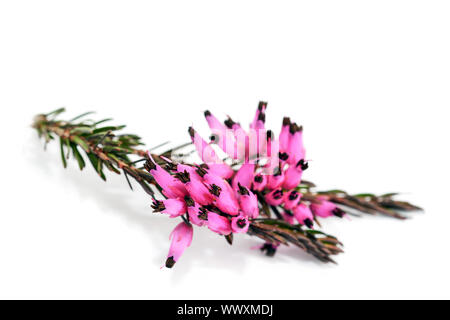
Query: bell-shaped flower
[
  {"x": 303, "y": 215},
  {"x": 293, "y": 175},
  {"x": 204, "y": 150},
  {"x": 248, "y": 202},
  {"x": 171, "y": 187},
  {"x": 219, "y": 131},
  {"x": 325, "y": 209},
  {"x": 275, "y": 197},
  {"x": 296, "y": 150},
  {"x": 244, "y": 176},
  {"x": 218, "y": 223},
  {"x": 239, "y": 224},
  {"x": 259, "y": 182},
  {"x": 291, "y": 199},
  {"x": 172, "y": 207},
  {"x": 260, "y": 116},
  {"x": 284, "y": 136},
  {"x": 275, "y": 180},
  {"x": 181, "y": 238}
]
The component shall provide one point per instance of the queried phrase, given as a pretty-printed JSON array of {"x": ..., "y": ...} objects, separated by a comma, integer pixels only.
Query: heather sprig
[{"x": 258, "y": 189}]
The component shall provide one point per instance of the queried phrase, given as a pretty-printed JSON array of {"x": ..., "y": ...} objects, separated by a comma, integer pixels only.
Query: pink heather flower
[
  {"x": 275, "y": 180},
  {"x": 171, "y": 187},
  {"x": 218, "y": 223},
  {"x": 326, "y": 209},
  {"x": 244, "y": 176},
  {"x": 197, "y": 190},
  {"x": 257, "y": 134},
  {"x": 296, "y": 150},
  {"x": 237, "y": 146},
  {"x": 204, "y": 150},
  {"x": 288, "y": 216},
  {"x": 303, "y": 215},
  {"x": 230, "y": 124},
  {"x": 260, "y": 116},
  {"x": 220, "y": 135},
  {"x": 293, "y": 175},
  {"x": 239, "y": 224},
  {"x": 181, "y": 238},
  {"x": 259, "y": 182},
  {"x": 283, "y": 139},
  {"x": 275, "y": 197},
  {"x": 197, "y": 214},
  {"x": 173, "y": 207},
  {"x": 248, "y": 202},
  {"x": 291, "y": 199}
]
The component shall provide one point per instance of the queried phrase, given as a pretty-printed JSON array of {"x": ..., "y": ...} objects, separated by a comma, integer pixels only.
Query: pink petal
[
  {"x": 218, "y": 223},
  {"x": 239, "y": 224},
  {"x": 244, "y": 176},
  {"x": 181, "y": 238}
]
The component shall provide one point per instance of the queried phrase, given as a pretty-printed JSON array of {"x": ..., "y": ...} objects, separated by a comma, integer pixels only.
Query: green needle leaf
[
  {"x": 63, "y": 157},
  {"x": 81, "y": 115},
  {"x": 77, "y": 156},
  {"x": 110, "y": 128},
  {"x": 81, "y": 143}
]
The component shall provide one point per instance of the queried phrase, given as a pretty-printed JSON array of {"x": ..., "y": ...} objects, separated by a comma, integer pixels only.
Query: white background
[{"x": 369, "y": 80}]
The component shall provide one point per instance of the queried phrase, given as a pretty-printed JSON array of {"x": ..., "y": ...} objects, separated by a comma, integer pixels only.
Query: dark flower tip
[
  {"x": 258, "y": 178},
  {"x": 262, "y": 117},
  {"x": 170, "y": 166},
  {"x": 241, "y": 223},
  {"x": 289, "y": 213},
  {"x": 278, "y": 194},
  {"x": 243, "y": 190},
  {"x": 207, "y": 113},
  {"x": 269, "y": 249},
  {"x": 308, "y": 223},
  {"x": 293, "y": 128},
  {"x": 170, "y": 262},
  {"x": 158, "y": 206},
  {"x": 183, "y": 176},
  {"x": 149, "y": 165},
  {"x": 261, "y": 105},
  {"x": 203, "y": 214},
  {"x": 229, "y": 123},
  {"x": 269, "y": 135},
  {"x": 338, "y": 212},
  {"x": 201, "y": 171},
  {"x": 215, "y": 190},
  {"x": 286, "y": 121},
  {"x": 191, "y": 132},
  {"x": 303, "y": 164},
  {"x": 189, "y": 201},
  {"x": 283, "y": 156},
  {"x": 293, "y": 195}
]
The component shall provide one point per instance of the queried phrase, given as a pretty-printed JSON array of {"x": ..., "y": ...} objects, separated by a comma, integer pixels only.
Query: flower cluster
[
  {"x": 258, "y": 189},
  {"x": 214, "y": 195}
]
